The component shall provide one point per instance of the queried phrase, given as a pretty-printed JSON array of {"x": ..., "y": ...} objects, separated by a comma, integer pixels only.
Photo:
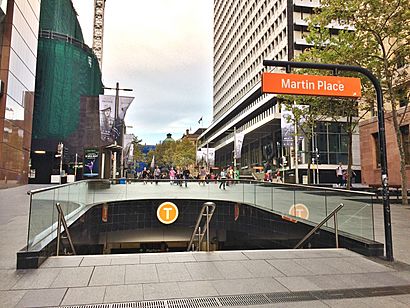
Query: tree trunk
[
  {"x": 399, "y": 140},
  {"x": 349, "y": 154}
]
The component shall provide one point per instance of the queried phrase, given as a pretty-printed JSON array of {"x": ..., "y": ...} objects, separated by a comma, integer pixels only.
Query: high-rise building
[
  {"x": 68, "y": 83},
  {"x": 246, "y": 33},
  {"x": 19, "y": 23}
]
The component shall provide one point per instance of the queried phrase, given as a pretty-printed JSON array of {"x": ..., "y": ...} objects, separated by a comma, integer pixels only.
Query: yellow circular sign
[
  {"x": 299, "y": 210},
  {"x": 167, "y": 213}
]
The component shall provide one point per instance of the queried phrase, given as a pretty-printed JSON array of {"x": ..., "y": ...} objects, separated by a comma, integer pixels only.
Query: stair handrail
[
  {"x": 209, "y": 213},
  {"x": 61, "y": 220},
  {"x": 334, "y": 214}
]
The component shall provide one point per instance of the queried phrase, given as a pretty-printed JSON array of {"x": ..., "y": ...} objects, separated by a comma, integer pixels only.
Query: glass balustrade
[{"x": 355, "y": 218}]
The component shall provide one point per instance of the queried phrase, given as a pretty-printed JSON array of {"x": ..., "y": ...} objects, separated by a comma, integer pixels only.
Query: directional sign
[
  {"x": 167, "y": 213},
  {"x": 311, "y": 85},
  {"x": 299, "y": 210}
]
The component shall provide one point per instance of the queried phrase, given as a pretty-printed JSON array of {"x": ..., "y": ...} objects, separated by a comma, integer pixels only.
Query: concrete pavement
[{"x": 284, "y": 278}]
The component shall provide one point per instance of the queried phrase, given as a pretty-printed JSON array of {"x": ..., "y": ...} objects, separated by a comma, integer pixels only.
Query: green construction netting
[
  {"x": 64, "y": 73},
  {"x": 59, "y": 16}
]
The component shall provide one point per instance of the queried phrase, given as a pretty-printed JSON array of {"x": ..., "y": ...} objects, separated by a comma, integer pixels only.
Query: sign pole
[{"x": 380, "y": 115}]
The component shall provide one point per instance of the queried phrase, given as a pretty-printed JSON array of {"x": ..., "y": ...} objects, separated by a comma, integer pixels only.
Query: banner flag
[
  {"x": 107, "y": 114},
  {"x": 287, "y": 127},
  {"x": 239, "y": 141},
  {"x": 110, "y": 127},
  {"x": 206, "y": 155},
  {"x": 153, "y": 162},
  {"x": 124, "y": 102}
]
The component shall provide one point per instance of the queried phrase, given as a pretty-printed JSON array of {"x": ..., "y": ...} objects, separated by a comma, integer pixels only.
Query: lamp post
[{"x": 116, "y": 120}]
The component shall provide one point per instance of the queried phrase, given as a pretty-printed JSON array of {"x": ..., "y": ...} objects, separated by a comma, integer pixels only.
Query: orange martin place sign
[{"x": 311, "y": 85}]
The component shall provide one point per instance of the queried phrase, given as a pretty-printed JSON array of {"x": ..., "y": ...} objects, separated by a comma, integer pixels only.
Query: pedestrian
[
  {"x": 185, "y": 175},
  {"x": 202, "y": 176},
  {"x": 157, "y": 175},
  {"x": 145, "y": 175},
  {"x": 172, "y": 174},
  {"x": 222, "y": 178},
  {"x": 230, "y": 175},
  {"x": 339, "y": 174}
]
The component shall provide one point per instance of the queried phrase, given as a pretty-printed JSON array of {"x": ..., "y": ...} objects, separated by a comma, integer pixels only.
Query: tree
[
  {"x": 137, "y": 154},
  {"x": 380, "y": 41}
]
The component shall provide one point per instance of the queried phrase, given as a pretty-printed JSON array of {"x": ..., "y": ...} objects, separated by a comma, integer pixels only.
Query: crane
[{"x": 98, "y": 29}]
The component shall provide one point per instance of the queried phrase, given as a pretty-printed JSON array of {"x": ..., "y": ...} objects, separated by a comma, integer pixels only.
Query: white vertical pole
[
  {"x": 114, "y": 166},
  {"x": 61, "y": 159},
  {"x": 102, "y": 165},
  {"x": 234, "y": 149},
  {"x": 75, "y": 166}
]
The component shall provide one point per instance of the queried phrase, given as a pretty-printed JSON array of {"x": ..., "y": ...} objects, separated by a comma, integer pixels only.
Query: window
[
  {"x": 405, "y": 136},
  {"x": 377, "y": 148}
]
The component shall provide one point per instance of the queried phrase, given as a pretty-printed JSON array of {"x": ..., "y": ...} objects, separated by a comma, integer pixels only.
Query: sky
[{"x": 162, "y": 49}]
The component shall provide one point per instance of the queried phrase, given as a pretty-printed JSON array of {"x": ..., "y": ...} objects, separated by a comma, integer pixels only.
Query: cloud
[{"x": 161, "y": 49}]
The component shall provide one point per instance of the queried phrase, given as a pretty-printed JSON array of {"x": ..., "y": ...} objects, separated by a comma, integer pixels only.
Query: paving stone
[
  {"x": 232, "y": 255},
  {"x": 318, "y": 266},
  {"x": 290, "y": 267},
  {"x": 203, "y": 271},
  {"x": 248, "y": 286},
  {"x": 10, "y": 298},
  {"x": 164, "y": 290},
  {"x": 42, "y": 298},
  {"x": 8, "y": 278},
  {"x": 298, "y": 284},
  {"x": 73, "y": 277},
  {"x": 123, "y": 293},
  {"x": 375, "y": 302},
  {"x": 405, "y": 299},
  {"x": 232, "y": 269},
  {"x": 63, "y": 261},
  {"x": 180, "y": 257},
  {"x": 37, "y": 278},
  {"x": 304, "y": 304},
  {"x": 260, "y": 254},
  {"x": 261, "y": 268},
  {"x": 154, "y": 258},
  {"x": 83, "y": 296},
  {"x": 168, "y": 272},
  {"x": 96, "y": 260},
  {"x": 125, "y": 259},
  {"x": 141, "y": 273},
  {"x": 197, "y": 288},
  {"x": 207, "y": 256},
  {"x": 332, "y": 282},
  {"x": 368, "y": 265},
  {"x": 108, "y": 275}
]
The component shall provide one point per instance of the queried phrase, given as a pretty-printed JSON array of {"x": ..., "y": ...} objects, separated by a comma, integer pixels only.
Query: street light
[{"x": 114, "y": 146}]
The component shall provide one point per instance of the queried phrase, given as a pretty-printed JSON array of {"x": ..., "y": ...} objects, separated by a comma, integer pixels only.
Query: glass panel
[
  {"x": 315, "y": 202},
  {"x": 41, "y": 216},
  {"x": 356, "y": 217},
  {"x": 264, "y": 195},
  {"x": 283, "y": 197}
]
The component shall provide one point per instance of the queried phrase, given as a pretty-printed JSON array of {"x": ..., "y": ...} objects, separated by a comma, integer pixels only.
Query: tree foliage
[
  {"x": 374, "y": 34},
  {"x": 180, "y": 153}
]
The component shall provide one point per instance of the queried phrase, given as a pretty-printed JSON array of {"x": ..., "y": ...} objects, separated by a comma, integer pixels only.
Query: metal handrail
[
  {"x": 334, "y": 214},
  {"x": 197, "y": 230},
  {"x": 61, "y": 220}
]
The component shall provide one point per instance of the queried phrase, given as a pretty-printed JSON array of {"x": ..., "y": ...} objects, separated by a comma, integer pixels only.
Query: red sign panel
[{"x": 311, "y": 85}]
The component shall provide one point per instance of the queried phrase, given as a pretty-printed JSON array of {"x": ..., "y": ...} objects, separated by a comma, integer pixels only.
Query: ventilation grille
[{"x": 257, "y": 299}]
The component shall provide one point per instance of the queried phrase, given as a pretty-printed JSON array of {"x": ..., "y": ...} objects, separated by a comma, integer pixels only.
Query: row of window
[{"x": 247, "y": 82}]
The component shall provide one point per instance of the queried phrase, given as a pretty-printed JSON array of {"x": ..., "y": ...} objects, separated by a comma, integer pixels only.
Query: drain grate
[
  {"x": 284, "y": 297},
  {"x": 242, "y": 300},
  {"x": 257, "y": 299},
  {"x": 193, "y": 302}
]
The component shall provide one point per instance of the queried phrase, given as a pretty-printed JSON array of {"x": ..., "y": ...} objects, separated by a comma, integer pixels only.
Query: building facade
[
  {"x": 68, "y": 83},
  {"x": 245, "y": 34},
  {"x": 19, "y": 24}
]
